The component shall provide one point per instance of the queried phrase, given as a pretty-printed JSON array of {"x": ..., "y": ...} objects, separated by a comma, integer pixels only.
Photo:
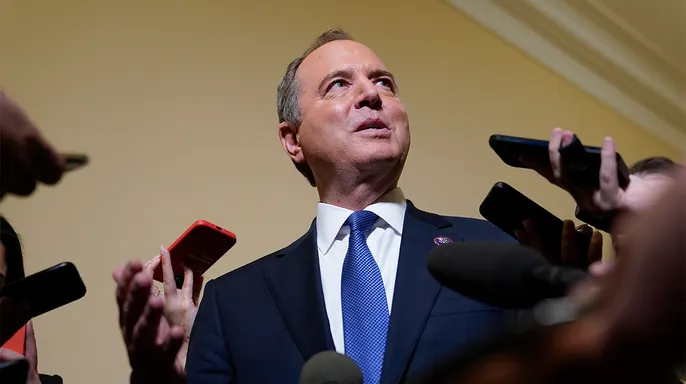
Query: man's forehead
[{"x": 338, "y": 56}]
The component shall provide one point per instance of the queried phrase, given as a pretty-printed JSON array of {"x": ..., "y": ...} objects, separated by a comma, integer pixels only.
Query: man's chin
[{"x": 382, "y": 163}]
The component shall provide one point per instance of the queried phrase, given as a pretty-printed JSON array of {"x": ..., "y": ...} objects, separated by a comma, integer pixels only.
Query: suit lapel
[
  {"x": 415, "y": 290},
  {"x": 295, "y": 284}
]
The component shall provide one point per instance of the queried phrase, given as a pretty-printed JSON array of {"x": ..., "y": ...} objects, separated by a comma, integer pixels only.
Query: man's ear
[{"x": 288, "y": 133}]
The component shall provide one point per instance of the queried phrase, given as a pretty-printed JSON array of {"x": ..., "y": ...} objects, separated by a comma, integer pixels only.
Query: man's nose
[{"x": 367, "y": 95}]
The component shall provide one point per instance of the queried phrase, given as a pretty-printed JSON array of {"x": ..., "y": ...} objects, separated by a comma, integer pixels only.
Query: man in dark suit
[{"x": 357, "y": 281}]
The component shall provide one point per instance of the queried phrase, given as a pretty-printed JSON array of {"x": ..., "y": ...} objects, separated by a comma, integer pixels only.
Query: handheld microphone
[
  {"x": 504, "y": 275},
  {"x": 330, "y": 367}
]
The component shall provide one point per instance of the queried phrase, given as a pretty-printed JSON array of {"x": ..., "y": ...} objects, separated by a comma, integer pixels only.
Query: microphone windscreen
[
  {"x": 330, "y": 367},
  {"x": 493, "y": 273}
]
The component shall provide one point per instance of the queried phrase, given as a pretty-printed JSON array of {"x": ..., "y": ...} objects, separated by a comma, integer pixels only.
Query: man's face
[{"x": 351, "y": 115}]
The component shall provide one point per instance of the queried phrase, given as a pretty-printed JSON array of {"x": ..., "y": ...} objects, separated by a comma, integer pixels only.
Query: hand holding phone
[
  {"x": 198, "y": 248},
  {"x": 565, "y": 162},
  {"x": 532, "y": 225}
]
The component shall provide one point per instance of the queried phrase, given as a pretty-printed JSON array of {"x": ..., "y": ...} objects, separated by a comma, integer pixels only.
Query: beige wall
[{"x": 174, "y": 102}]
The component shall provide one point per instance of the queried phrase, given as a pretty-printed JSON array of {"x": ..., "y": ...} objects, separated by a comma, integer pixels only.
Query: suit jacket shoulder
[
  {"x": 257, "y": 266},
  {"x": 470, "y": 229}
]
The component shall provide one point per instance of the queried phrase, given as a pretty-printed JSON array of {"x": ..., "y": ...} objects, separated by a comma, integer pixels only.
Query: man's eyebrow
[
  {"x": 345, "y": 73},
  {"x": 382, "y": 73},
  {"x": 333, "y": 75}
]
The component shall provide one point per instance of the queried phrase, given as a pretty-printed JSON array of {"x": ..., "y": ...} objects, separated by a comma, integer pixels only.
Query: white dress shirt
[{"x": 332, "y": 245}]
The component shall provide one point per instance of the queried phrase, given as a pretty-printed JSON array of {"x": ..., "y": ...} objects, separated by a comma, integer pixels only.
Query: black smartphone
[
  {"x": 48, "y": 289},
  {"x": 14, "y": 372},
  {"x": 73, "y": 161},
  {"x": 507, "y": 209},
  {"x": 511, "y": 149}
]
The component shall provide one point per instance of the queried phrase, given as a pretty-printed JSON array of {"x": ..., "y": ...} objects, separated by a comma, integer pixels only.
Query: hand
[
  {"x": 610, "y": 197},
  {"x": 180, "y": 305},
  {"x": 31, "y": 355},
  {"x": 26, "y": 158},
  {"x": 574, "y": 251},
  {"x": 152, "y": 341}
]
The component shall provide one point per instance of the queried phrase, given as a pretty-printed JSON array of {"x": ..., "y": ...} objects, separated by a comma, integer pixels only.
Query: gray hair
[{"x": 287, "y": 106}]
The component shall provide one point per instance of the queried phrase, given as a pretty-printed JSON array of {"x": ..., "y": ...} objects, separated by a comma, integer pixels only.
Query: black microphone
[
  {"x": 504, "y": 275},
  {"x": 330, "y": 367}
]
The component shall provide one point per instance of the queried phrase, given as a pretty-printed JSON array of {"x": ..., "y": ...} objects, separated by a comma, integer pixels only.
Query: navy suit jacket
[{"x": 261, "y": 323}]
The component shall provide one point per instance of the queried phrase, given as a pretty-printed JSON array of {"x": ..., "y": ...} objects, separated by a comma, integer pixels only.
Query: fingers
[
  {"x": 609, "y": 185},
  {"x": 152, "y": 264},
  {"x": 123, "y": 278},
  {"x": 144, "y": 336},
  {"x": 521, "y": 236},
  {"x": 135, "y": 303},
  {"x": 168, "y": 273},
  {"x": 187, "y": 288},
  {"x": 197, "y": 287},
  {"x": 31, "y": 352},
  {"x": 567, "y": 138},
  {"x": 154, "y": 291},
  {"x": 117, "y": 274},
  {"x": 173, "y": 344},
  {"x": 570, "y": 252},
  {"x": 554, "y": 152},
  {"x": 9, "y": 355},
  {"x": 595, "y": 248}
]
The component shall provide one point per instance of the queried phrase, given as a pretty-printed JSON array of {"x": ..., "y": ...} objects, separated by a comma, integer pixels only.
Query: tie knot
[{"x": 361, "y": 221}]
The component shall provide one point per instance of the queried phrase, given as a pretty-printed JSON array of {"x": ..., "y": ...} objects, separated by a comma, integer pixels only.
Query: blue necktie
[{"x": 363, "y": 299}]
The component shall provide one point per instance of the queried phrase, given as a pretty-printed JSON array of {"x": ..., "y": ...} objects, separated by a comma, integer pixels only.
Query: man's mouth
[{"x": 371, "y": 124}]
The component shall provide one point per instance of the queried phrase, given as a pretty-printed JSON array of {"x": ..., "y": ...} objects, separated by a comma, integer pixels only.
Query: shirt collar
[{"x": 330, "y": 219}]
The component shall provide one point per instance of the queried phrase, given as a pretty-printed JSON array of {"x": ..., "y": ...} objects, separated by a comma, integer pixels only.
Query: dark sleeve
[{"x": 209, "y": 360}]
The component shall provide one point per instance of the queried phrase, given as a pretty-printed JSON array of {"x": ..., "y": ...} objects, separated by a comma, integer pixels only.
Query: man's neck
[
  {"x": 360, "y": 187},
  {"x": 357, "y": 199},
  {"x": 355, "y": 195}
]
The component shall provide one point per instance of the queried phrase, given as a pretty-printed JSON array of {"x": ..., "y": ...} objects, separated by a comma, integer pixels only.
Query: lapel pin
[{"x": 440, "y": 240}]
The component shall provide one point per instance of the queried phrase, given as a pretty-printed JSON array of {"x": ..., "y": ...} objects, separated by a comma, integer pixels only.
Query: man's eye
[
  {"x": 337, "y": 84},
  {"x": 385, "y": 83}
]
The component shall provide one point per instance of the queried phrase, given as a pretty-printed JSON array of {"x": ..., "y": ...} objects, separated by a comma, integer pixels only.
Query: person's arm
[{"x": 209, "y": 360}]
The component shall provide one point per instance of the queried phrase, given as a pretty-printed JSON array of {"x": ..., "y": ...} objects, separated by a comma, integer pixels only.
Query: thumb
[
  {"x": 30, "y": 345},
  {"x": 197, "y": 287}
]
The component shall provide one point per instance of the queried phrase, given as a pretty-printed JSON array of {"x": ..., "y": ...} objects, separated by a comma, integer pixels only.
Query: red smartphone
[
  {"x": 17, "y": 343},
  {"x": 198, "y": 248}
]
